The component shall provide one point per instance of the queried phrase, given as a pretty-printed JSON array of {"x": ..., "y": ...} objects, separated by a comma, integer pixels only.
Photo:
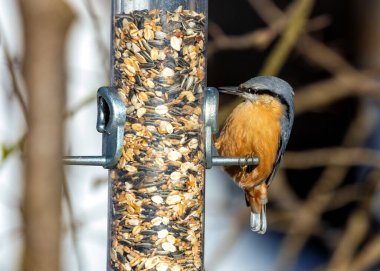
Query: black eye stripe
[
  {"x": 268, "y": 92},
  {"x": 264, "y": 91},
  {"x": 260, "y": 91}
]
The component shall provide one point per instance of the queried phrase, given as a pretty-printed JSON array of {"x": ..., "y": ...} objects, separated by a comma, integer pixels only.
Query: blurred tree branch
[
  {"x": 307, "y": 217},
  {"x": 73, "y": 224},
  {"x": 357, "y": 228},
  {"x": 338, "y": 156},
  {"x": 17, "y": 80},
  {"x": 102, "y": 46},
  {"x": 347, "y": 80},
  {"x": 258, "y": 39},
  {"x": 294, "y": 27},
  {"x": 326, "y": 92},
  {"x": 86, "y": 101},
  {"x": 344, "y": 74},
  {"x": 369, "y": 255},
  {"x": 7, "y": 150},
  {"x": 46, "y": 24}
]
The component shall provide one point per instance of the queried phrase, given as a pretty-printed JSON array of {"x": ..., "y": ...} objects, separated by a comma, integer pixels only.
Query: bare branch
[
  {"x": 103, "y": 47},
  {"x": 72, "y": 223},
  {"x": 331, "y": 90},
  {"x": 369, "y": 255},
  {"x": 357, "y": 228},
  {"x": 46, "y": 24},
  {"x": 86, "y": 101},
  {"x": 258, "y": 39},
  {"x": 294, "y": 28},
  {"x": 307, "y": 217},
  {"x": 17, "y": 81},
  {"x": 348, "y": 80},
  {"x": 331, "y": 157}
]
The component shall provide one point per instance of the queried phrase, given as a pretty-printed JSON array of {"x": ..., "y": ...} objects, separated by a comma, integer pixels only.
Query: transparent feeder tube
[{"x": 156, "y": 213}]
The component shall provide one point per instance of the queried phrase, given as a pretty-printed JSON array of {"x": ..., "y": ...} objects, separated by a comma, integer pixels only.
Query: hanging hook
[
  {"x": 110, "y": 122},
  {"x": 111, "y": 119}
]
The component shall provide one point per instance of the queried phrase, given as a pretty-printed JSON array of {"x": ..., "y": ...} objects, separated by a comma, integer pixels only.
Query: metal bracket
[
  {"x": 110, "y": 122},
  {"x": 210, "y": 111},
  {"x": 111, "y": 119}
]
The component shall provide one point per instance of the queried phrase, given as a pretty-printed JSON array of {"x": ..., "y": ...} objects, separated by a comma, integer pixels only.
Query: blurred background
[{"x": 325, "y": 201}]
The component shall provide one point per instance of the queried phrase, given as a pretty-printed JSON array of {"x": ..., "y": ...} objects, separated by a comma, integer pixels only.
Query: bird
[{"x": 259, "y": 126}]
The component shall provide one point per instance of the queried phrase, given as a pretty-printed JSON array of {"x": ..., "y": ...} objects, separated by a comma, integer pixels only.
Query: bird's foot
[{"x": 248, "y": 168}]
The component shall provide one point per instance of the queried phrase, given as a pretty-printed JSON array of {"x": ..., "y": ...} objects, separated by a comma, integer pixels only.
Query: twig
[
  {"x": 295, "y": 25},
  {"x": 282, "y": 218},
  {"x": 281, "y": 192},
  {"x": 369, "y": 255},
  {"x": 103, "y": 47},
  {"x": 339, "y": 156},
  {"x": 259, "y": 38},
  {"x": 8, "y": 150},
  {"x": 86, "y": 101},
  {"x": 323, "y": 56},
  {"x": 307, "y": 217},
  {"x": 314, "y": 50},
  {"x": 267, "y": 10},
  {"x": 362, "y": 262},
  {"x": 344, "y": 196},
  {"x": 357, "y": 228},
  {"x": 16, "y": 77},
  {"x": 72, "y": 223},
  {"x": 322, "y": 93},
  {"x": 331, "y": 90}
]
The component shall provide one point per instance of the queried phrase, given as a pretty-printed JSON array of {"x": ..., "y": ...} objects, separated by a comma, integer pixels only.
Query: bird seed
[{"x": 157, "y": 196}]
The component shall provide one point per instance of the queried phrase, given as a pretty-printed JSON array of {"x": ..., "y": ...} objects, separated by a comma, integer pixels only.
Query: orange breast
[{"x": 253, "y": 128}]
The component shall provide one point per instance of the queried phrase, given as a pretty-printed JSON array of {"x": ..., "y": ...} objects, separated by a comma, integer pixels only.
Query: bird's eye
[{"x": 252, "y": 91}]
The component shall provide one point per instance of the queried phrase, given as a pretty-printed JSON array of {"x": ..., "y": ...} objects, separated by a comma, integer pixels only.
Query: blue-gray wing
[{"x": 286, "y": 128}]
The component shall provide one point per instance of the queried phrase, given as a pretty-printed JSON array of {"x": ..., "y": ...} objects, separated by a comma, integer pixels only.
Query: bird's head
[
  {"x": 267, "y": 86},
  {"x": 260, "y": 86}
]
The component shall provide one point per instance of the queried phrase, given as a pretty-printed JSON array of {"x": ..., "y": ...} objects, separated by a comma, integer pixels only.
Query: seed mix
[{"x": 157, "y": 196}]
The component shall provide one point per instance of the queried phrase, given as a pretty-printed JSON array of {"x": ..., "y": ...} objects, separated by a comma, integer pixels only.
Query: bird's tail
[
  {"x": 259, "y": 220},
  {"x": 257, "y": 199}
]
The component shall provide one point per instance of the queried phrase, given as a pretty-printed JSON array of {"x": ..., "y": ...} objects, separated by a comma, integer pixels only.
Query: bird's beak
[{"x": 230, "y": 90}]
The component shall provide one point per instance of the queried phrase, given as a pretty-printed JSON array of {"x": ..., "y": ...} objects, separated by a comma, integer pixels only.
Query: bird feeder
[{"x": 157, "y": 121}]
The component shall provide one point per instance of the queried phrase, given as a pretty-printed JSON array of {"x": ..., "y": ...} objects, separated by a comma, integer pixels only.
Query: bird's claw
[{"x": 247, "y": 168}]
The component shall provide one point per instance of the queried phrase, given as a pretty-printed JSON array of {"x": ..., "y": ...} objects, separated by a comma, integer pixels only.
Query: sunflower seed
[{"x": 157, "y": 189}]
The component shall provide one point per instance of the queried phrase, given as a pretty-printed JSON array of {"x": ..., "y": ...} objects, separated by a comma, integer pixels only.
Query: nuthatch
[{"x": 259, "y": 126}]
